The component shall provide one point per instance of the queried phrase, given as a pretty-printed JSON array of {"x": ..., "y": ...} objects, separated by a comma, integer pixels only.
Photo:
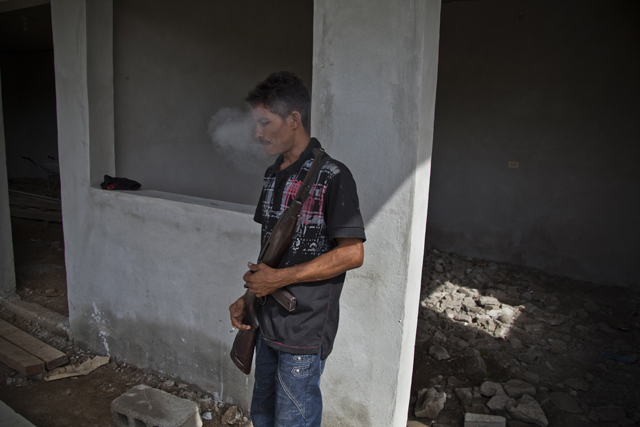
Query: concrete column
[
  {"x": 7, "y": 270},
  {"x": 375, "y": 66}
]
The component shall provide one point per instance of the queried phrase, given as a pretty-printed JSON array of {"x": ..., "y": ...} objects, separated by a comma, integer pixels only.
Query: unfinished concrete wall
[
  {"x": 150, "y": 275},
  {"x": 553, "y": 86},
  {"x": 375, "y": 65},
  {"x": 176, "y": 64},
  {"x": 7, "y": 271}
]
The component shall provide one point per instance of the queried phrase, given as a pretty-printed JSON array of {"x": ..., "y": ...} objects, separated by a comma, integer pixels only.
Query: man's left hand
[{"x": 261, "y": 279}]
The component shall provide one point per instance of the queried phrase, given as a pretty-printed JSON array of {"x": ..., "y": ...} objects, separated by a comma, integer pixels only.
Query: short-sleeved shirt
[{"x": 331, "y": 211}]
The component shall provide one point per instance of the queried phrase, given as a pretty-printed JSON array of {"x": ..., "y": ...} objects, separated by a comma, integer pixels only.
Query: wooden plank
[
  {"x": 51, "y": 357},
  {"x": 34, "y": 203},
  {"x": 20, "y": 360},
  {"x": 36, "y": 214},
  {"x": 35, "y": 196}
]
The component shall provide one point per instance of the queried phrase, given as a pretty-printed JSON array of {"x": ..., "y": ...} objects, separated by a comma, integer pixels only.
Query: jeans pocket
[{"x": 301, "y": 365}]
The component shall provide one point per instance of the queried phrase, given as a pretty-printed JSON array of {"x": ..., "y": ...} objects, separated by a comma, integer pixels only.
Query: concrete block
[
  {"x": 143, "y": 406},
  {"x": 483, "y": 420}
]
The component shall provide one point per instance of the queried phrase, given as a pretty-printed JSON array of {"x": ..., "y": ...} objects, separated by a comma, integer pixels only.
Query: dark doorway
[{"x": 30, "y": 123}]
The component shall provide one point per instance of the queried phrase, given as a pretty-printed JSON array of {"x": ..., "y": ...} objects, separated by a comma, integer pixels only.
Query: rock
[
  {"x": 439, "y": 268},
  {"x": 534, "y": 328},
  {"x": 486, "y": 344},
  {"x": 461, "y": 317},
  {"x": 499, "y": 402},
  {"x": 438, "y": 353},
  {"x": 454, "y": 382},
  {"x": 558, "y": 346},
  {"x": 516, "y": 344},
  {"x": 532, "y": 377},
  {"x": 489, "y": 388},
  {"x": 231, "y": 416},
  {"x": 437, "y": 380},
  {"x": 459, "y": 342},
  {"x": 577, "y": 384},
  {"x": 486, "y": 323},
  {"x": 527, "y": 409},
  {"x": 474, "y": 366},
  {"x": 414, "y": 423},
  {"x": 565, "y": 402},
  {"x": 610, "y": 413},
  {"x": 430, "y": 403},
  {"x": 507, "y": 314},
  {"x": 527, "y": 357},
  {"x": 468, "y": 303},
  {"x": 439, "y": 336},
  {"x": 488, "y": 301},
  {"x": 501, "y": 331},
  {"x": 516, "y": 388},
  {"x": 465, "y": 394}
]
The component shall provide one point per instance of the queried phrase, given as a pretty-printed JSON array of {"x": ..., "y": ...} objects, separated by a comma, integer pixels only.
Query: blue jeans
[{"x": 286, "y": 392}]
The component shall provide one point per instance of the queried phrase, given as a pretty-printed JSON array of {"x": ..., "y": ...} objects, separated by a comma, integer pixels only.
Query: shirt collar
[{"x": 295, "y": 166}]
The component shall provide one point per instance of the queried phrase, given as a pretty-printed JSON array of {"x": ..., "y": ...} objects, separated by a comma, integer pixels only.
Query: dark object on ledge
[{"x": 111, "y": 183}]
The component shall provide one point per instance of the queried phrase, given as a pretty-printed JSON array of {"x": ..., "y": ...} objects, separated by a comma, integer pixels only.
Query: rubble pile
[{"x": 534, "y": 348}]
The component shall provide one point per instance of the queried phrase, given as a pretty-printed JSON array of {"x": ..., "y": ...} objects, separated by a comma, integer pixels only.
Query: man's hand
[
  {"x": 261, "y": 279},
  {"x": 237, "y": 313}
]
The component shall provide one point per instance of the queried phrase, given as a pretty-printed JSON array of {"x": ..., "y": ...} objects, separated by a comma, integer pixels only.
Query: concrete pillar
[
  {"x": 7, "y": 270},
  {"x": 374, "y": 82}
]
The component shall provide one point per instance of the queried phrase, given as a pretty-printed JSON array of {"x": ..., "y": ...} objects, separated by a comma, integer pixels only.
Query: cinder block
[
  {"x": 143, "y": 406},
  {"x": 483, "y": 420}
]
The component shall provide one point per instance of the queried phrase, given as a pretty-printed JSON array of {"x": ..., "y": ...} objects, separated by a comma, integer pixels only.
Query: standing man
[{"x": 292, "y": 346}]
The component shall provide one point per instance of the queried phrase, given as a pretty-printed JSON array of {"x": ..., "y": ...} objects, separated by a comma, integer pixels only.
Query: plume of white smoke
[{"x": 231, "y": 131}]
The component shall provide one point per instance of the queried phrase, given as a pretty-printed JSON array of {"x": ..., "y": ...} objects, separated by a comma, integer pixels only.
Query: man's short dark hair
[{"x": 282, "y": 93}]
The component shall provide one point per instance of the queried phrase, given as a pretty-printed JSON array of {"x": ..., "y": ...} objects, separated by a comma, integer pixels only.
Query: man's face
[{"x": 274, "y": 134}]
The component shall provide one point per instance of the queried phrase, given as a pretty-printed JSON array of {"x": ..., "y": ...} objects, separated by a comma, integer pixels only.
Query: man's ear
[{"x": 296, "y": 119}]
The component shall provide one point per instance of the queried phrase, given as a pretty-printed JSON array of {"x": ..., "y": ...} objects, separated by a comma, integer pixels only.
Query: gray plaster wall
[
  {"x": 29, "y": 99},
  {"x": 553, "y": 86},
  {"x": 7, "y": 270},
  {"x": 150, "y": 275},
  {"x": 176, "y": 64},
  {"x": 375, "y": 66}
]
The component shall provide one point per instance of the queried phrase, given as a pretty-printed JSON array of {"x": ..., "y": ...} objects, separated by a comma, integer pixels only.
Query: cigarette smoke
[{"x": 231, "y": 131}]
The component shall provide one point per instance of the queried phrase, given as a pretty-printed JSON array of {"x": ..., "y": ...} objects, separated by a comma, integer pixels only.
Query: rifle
[{"x": 272, "y": 254}]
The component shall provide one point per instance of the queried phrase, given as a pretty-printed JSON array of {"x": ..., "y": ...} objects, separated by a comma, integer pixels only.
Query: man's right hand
[{"x": 237, "y": 314}]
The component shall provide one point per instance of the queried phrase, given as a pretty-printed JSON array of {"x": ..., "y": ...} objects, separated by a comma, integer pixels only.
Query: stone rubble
[{"x": 506, "y": 341}]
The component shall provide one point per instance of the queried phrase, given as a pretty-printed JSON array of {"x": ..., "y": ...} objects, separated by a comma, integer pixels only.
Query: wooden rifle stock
[{"x": 271, "y": 255}]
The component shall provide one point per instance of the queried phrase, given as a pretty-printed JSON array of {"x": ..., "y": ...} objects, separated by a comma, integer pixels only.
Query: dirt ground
[{"x": 85, "y": 401}]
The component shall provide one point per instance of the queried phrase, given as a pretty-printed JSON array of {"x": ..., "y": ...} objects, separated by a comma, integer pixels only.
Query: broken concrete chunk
[
  {"x": 517, "y": 388},
  {"x": 527, "y": 409},
  {"x": 489, "y": 388},
  {"x": 500, "y": 402},
  {"x": 430, "y": 403},
  {"x": 484, "y": 420},
  {"x": 565, "y": 403},
  {"x": 438, "y": 353},
  {"x": 474, "y": 365}
]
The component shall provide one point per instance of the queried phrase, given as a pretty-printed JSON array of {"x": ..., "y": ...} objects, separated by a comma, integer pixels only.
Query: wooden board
[
  {"x": 33, "y": 202},
  {"x": 20, "y": 360},
  {"x": 51, "y": 357},
  {"x": 53, "y": 216}
]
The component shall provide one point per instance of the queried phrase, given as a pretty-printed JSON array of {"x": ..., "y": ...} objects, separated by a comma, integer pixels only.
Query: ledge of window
[{"x": 178, "y": 198}]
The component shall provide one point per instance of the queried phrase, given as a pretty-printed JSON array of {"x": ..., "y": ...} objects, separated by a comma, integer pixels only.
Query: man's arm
[{"x": 349, "y": 254}]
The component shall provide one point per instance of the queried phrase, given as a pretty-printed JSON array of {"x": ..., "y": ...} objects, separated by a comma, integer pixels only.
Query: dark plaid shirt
[{"x": 331, "y": 211}]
